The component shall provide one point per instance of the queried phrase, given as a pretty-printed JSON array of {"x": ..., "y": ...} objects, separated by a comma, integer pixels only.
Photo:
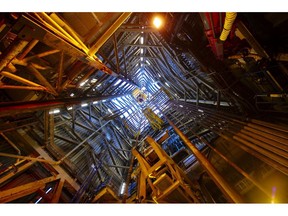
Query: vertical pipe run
[{"x": 230, "y": 193}]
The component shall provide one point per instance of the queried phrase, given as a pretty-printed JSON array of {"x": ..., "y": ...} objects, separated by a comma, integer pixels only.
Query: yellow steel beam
[
  {"x": 94, "y": 49},
  {"x": 19, "y": 170},
  {"x": 40, "y": 55},
  {"x": 14, "y": 51},
  {"x": 57, "y": 194},
  {"x": 104, "y": 191},
  {"x": 42, "y": 79},
  {"x": 23, "y": 190},
  {"x": 23, "y": 87},
  {"x": 42, "y": 153},
  {"x": 28, "y": 48},
  {"x": 27, "y": 158},
  {"x": 20, "y": 79}
]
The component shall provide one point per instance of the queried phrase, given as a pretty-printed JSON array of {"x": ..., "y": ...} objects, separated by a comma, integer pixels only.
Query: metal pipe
[
  {"x": 269, "y": 154},
  {"x": 230, "y": 193},
  {"x": 20, "y": 79},
  {"x": 274, "y": 145},
  {"x": 93, "y": 50},
  {"x": 11, "y": 143},
  {"x": 236, "y": 167},
  {"x": 13, "y": 52},
  {"x": 81, "y": 143},
  {"x": 60, "y": 72},
  {"x": 29, "y": 47},
  {"x": 116, "y": 52},
  {"x": 30, "y": 106},
  {"x": 62, "y": 31},
  {"x": 40, "y": 55},
  {"x": 27, "y": 158},
  {"x": 267, "y": 135},
  {"x": 23, "y": 87},
  {"x": 69, "y": 31},
  {"x": 42, "y": 79},
  {"x": 270, "y": 125}
]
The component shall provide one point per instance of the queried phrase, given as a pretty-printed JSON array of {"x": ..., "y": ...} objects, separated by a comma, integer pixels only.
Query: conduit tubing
[
  {"x": 230, "y": 193},
  {"x": 229, "y": 20}
]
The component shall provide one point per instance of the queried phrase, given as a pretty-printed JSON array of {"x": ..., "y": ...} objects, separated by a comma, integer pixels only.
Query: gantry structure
[{"x": 109, "y": 108}]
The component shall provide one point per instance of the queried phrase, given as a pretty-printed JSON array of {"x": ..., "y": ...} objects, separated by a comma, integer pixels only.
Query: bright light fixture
[
  {"x": 141, "y": 40},
  {"x": 118, "y": 81},
  {"x": 69, "y": 108},
  {"x": 95, "y": 102},
  {"x": 141, "y": 50},
  {"x": 167, "y": 84},
  {"x": 83, "y": 83},
  {"x": 157, "y": 22},
  {"x": 72, "y": 94},
  {"x": 122, "y": 188},
  {"x": 93, "y": 80},
  {"x": 84, "y": 105},
  {"x": 141, "y": 58},
  {"x": 55, "y": 111}
]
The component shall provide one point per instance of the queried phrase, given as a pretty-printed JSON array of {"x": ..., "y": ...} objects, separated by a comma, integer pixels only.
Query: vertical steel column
[{"x": 230, "y": 193}]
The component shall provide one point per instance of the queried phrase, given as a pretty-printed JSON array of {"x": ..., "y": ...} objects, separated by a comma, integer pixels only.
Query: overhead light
[
  {"x": 72, "y": 94},
  {"x": 141, "y": 58},
  {"x": 110, "y": 111},
  {"x": 122, "y": 188},
  {"x": 55, "y": 111},
  {"x": 141, "y": 50},
  {"x": 148, "y": 62},
  {"x": 93, "y": 80},
  {"x": 95, "y": 102},
  {"x": 48, "y": 190},
  {"x": 69, "y": 108},
  {"x": 167, "y": 84},
  {"x": 157, "y": 22},
  {"x": 99, "y": 85},
  {"x": 118, "y": 81},
  {"x": 84, "y": 105},
  {"x": 83, "y": 83},
  {"x": 180, "y": 105},
  {"x": 38, "y": 200},
  {"x": 199, "y": 110},
  {"x": 141, "y": 40},
  {"x": 159, "y": 75}
]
